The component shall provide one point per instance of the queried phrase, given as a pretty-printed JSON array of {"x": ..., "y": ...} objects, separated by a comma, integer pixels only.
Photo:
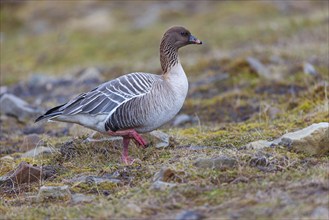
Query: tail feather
[{"x": 51, "y": 113}]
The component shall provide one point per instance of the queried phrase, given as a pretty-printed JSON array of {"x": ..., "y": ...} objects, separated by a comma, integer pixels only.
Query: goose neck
[{"x": 168, "y": 56}]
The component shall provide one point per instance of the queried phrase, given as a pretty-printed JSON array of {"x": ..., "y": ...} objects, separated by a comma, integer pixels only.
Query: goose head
[{"x": 179, "y": 37}]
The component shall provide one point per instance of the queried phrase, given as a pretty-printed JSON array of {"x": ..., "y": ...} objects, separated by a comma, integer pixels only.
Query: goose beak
[{"x": 194, "y": 40}]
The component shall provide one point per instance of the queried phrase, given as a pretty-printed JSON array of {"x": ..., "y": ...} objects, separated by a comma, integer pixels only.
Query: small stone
[
  {"x": 159, "y": 138},
  {"x": 81, "y": 198},
  {"x": 258, "y": 145},
  {"x": 165, "y": 174},
  {"x": 309, "y": 69},
  {"x": 90, "y": 75},
  {"x": 38, "y": 151},
  {"x": 259, "y": 68},
  {"x": 222, "y": 163},
  {"x": 16, "y": 107},
  {"x": 133, "y": 208},
  {"x": 182, "y": 119},
  {"x": 160, "y": 185},
  {"x": 189, "y": 215},
  {"x": 54, "y": 193},
  {"x": 320, "y": 213},
  {"x": 273, "y": 112},
  {"x": 313, "y": 140}
]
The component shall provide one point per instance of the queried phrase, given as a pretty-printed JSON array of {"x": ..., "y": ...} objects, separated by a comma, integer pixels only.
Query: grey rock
[
  {"x": 259, "y": 68},
  {"x": 90, "y": 75},
  {"x": 3, "y": 89},
  {"x": 38, "y": 151},
  {"x": 159, "y": 138},
  {"x": 222, "y": 163},
  {"x": 258, "y": 145},
  {"x": 320, "y": 213},
  {"x": 189, "y": 215},
  {"x": 54, "y": 193},
  {"x": 313, "y": 140},
  {"x": 14, "y": 106},
  {"x": 183, "y": 119},
  {"x": 309, "y": 69},
  {"x": 273, "y": 112},
  {"x": 93, "y": 180},
  {"x": 160, "y": 185},
  {"x": 81, "y": 198}
]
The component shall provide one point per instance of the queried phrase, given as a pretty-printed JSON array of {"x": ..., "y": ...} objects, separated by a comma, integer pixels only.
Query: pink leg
[
  {"x": 125, "y": 158},
  {"x": 131, "y": 133},
  {"x": 127, "y": 135}
]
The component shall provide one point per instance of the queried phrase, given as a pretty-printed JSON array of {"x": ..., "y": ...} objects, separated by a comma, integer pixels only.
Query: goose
[{"x": 133, "y": 103}]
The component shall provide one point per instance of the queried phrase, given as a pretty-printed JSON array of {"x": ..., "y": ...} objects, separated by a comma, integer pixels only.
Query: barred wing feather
[{"x": 106, "y": 98}]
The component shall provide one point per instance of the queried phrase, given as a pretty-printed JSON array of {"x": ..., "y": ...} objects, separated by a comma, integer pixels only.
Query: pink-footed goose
[{"x": 136, "y": 102}]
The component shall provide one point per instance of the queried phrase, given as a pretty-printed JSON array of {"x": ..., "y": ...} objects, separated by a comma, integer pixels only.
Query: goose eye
[{"x": 183, "y": 33}]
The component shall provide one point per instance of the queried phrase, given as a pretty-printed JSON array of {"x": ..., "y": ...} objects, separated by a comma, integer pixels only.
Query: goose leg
[
  {"x": 125, "y": 158},
  {"x": 131, "y": 133}
]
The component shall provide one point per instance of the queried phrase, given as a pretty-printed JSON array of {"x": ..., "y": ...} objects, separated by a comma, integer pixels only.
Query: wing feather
[{"x": 106, "y": 98}]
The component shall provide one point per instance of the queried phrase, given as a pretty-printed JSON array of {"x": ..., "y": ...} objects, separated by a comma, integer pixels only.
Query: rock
[
  {"x": 133, "y": 208},
  {"x": 38, "y": 151},
  {"x": 16, "y": 107},
  {"x": 159, "y": 138},
  {"x": 189, "y": 215},
  {"x": 54, "y": 193},
  {"x": 222, "y": 163},
  {"x": 259, "y": 68},
  {"x": 31, "y": 141},
  {"x": 258, "y": 145},
  {"x": 3, "y": 89},
  {"x": 165, "y": 174},
  {"x": 309, "y": 69},
  {"x": 93, "y": 179},
  {"x": 320, "y": 213},
  {"x": 81, "y": 198},
  {"x": 34, "y": 129},
  {"x": 273, "y": 112},
  {"x": 160, "y": 185},
  {"x": 90, "y": 75},
  {"x": 183, "y": 119},
  {"x": 313, "y": 140},
  {"x": 24, "y": 173}
]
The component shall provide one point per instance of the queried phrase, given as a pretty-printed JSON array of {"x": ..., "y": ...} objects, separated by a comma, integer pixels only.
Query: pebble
[
  {"x": 182, "y": 119},
  {"x": 259, "y": 68},
  {"x": 81, "y": 198},
  {"x": 189, "y": 215},
  {"x": 161, "y": 186},
  {"x": 222, "y": 163},
  {"x": 258, "y": 145},
  {"x": 54, "y": 193},
  {"x": 159, "y": 138}
]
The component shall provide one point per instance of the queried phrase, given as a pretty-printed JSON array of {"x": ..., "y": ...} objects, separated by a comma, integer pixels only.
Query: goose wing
[{"x": 106, "y": 98}]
